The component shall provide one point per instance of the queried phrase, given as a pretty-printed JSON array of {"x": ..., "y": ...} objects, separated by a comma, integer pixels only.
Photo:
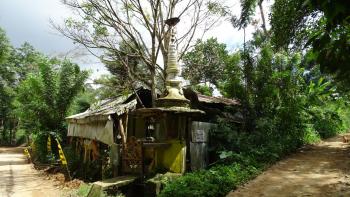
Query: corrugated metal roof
[
  {"x": 213, "y": 99},
  {"x": 107, "y": 107},
  {"x": 104, "y": 108}
]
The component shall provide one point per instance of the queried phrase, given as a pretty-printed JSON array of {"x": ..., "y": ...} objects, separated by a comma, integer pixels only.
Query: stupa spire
[{"x": 174, "y": 95}]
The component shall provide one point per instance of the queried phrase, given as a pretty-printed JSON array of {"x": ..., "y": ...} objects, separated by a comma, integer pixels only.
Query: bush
[
  {"x": 74, "y": 162},
  {"x": 311, "y": 136},
  {"x": 39, "y": 146},
  {"x": 21, "y": 137},
  {"x": 217, "y": 181},
  {"x": 344, "y": 114},
  {"x": 326, "y": 122}
]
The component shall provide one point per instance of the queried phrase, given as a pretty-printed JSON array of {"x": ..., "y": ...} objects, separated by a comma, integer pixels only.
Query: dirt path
[
  {"x": 320, "y": 170},
  {"x": 19, "y": 179}
]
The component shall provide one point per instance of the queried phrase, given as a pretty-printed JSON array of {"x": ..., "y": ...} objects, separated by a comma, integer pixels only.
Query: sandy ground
[
  {"x": 20, "y": 179},
  {"x": 320, "y": 170}
]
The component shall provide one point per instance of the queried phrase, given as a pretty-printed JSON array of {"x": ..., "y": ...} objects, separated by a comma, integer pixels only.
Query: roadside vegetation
[
  {"x": 287, "y": 106},
  {"x": 291, "y": 79},
  {"x": 37, "y": 93},
  {"x": 290, "y": 96}
]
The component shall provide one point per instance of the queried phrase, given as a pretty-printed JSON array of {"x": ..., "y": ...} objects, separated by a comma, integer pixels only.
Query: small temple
[
  {"x": 143, "y": 140},
  {"x": 171, "y": 116}
]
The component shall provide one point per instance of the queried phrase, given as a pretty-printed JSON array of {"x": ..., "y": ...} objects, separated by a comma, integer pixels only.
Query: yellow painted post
[
  {"x": 63, "y": 158},
  {"x": 49, "y": 150},
  {"x": 60, "y": 152},
  {"x": 27, "y": 154}
]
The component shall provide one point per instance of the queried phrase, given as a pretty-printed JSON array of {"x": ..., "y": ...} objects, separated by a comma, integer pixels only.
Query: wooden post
[
  {"x": 122, "y": 132},
  {"x": 123, "y": 128},
  {"x": 126, "y": 119}
]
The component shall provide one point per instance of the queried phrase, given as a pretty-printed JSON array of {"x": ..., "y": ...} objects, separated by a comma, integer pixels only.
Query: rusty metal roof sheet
[
  {"x": 218, "y": 100},
  {"x": 106, "y": 107}
]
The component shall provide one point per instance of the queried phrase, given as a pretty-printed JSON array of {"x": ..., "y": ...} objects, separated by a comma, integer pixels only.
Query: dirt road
[
  {"x": 320, "y": 170},
  {"x": 19, "y": 179}
]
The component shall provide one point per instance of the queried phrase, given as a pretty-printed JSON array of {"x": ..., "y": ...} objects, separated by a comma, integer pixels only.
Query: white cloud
[{"x": 28, "y": 20}]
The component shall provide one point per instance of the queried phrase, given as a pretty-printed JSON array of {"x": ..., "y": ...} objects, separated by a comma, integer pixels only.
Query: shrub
[
  {"x": 217, "y": 181},
  {"x": 311, "y": 136},
  {"x": 74, "y": 161},
  {"x": 327, "y": 122},
  {"x": 21, "y": 137},
  {"x": 39, "y": 146}
]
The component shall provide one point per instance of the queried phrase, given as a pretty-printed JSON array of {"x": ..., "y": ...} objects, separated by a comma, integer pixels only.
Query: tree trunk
[
  {"x": 10, "y": 139},
  {"x": 153, "y": 88},
  {"x": 262, "y": 17},
  {"x": 4, "y": 132},
  {"x": 122, "y": 132}
]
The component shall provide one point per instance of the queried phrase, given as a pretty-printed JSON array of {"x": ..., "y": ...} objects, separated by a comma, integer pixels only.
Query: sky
[{"x": 29, "y": 21}]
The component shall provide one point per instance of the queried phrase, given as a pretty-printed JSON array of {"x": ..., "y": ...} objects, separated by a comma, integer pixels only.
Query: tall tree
[
  {"x": 140, "y": 25},
  {"x": 44, "y": 98},
  {"x": 7, "y": 76},
  {"x": 25, "y": 60},
  {"x": 247, "y": 12},
  {"x": 206, "y": 62},
  {"x": 321, "y": 25},
  {"x": 110, "y": 86}
]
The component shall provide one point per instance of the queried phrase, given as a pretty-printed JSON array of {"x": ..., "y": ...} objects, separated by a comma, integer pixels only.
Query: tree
[
  {"x": 7, "y": 78},
  {"x": 25, "y": 60},
  {"x": 247, "y": 11},
  {"x": 119, "y": 81},
  {"x": 206, "y": 62},
  {"x": 289, "y": 19},
  {"x": 110, "y": 86},
  {"x": 44, "y": 99},
  {"x": 321, "y": 25},
  {"x": 104, "y": 25},
  {"x": 85, "y": 98},
  {"x": 330, "y": 42}
]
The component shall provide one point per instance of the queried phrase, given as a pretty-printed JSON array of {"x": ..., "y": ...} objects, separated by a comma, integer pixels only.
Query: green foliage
[
  {"x": 83, "y": 100},
  {"x": 289, "y": 20},
  {"x": 83, "y": 189},
  {"x": 5, "y": 47},
  {"x": 21, "y": 137},
  {"x": 204, "y": 89},
  {"x": 322, "y": 25},
  {"x": 206, "y": 62},
  {"x": 311, "y": 136},
  {"x": 125, "y": 70},
  {"x": 74, "y": 161},
  {"x": 217, "y": 181},
  {"x": 330, "y": 46},
  {"x": 326, "y": 122},
  {"x": 25, "y": 61},
  {"x": 39, "y": 140},
  {"x": 110, "y": 86},
  {"x": 43, "y": 99},
  {"x": 247, "y": 12},
  {"x": 7, "y": 121},
  {"x": 284, "y": 106},
  {"x": 344, "y": 113}
]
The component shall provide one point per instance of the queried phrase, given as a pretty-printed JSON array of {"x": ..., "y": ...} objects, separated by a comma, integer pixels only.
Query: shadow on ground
[
  {"x": 317, "y": 170},
  {"x": 19, "y": 179}
]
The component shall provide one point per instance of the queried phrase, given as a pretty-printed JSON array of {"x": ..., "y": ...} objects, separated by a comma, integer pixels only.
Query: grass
[{"x": 84, "y": 189}]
